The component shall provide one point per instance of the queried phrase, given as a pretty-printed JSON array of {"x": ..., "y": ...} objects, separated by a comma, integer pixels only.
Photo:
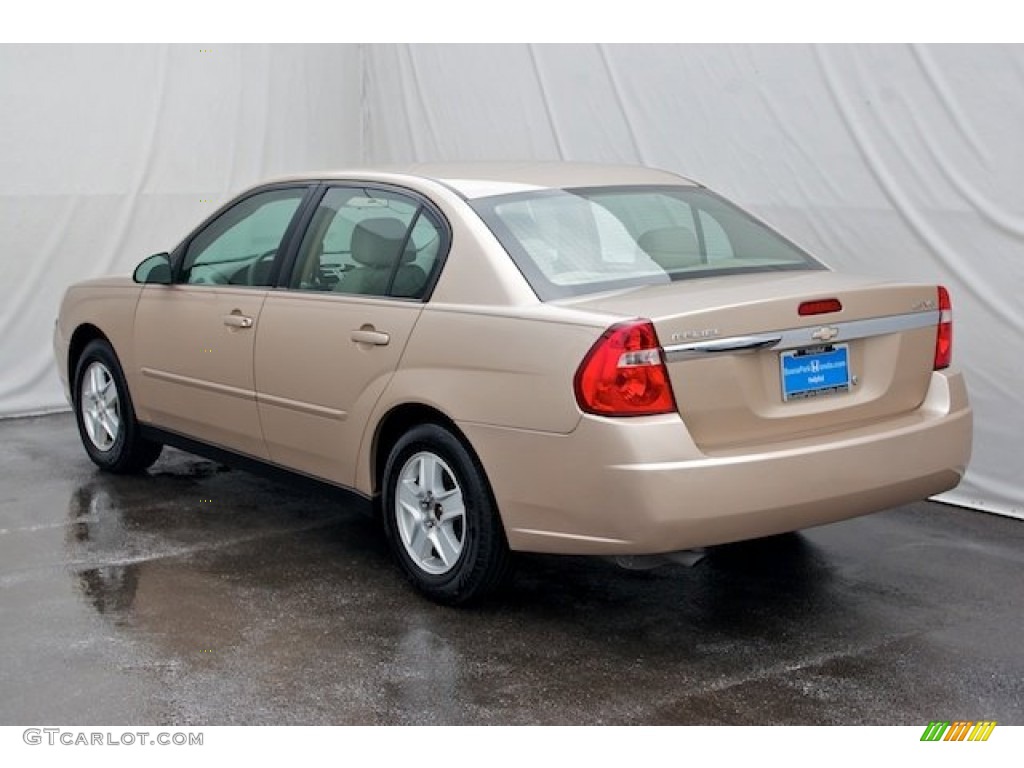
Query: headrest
[
  {"x": 375, "y": 242},
  {"x": 671, "y": 247}
]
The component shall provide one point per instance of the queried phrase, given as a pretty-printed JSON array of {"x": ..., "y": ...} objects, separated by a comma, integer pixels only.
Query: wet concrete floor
[{"x": 199, "y": 595}]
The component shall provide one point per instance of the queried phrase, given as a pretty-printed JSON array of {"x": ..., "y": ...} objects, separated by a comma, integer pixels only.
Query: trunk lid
[{"x": 725, "y": 339}]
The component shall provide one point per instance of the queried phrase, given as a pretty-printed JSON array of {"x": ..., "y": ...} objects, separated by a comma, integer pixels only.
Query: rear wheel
[
  {"x": 106, "y": 419},
  {"x": 440, "y": 517}
]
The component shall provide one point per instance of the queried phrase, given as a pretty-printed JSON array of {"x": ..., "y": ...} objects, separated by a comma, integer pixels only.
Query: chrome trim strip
[
  {"x": 791, "y": 338},
  {"x": 733, "y": 345}
]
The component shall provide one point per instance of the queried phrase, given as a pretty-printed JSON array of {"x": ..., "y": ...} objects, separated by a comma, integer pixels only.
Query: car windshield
[{"x": 569, "y": 242}]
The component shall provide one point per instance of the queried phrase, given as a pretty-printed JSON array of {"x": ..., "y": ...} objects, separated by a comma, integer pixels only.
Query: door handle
[
  {"x": 367, "y": 335},
  {"x": 237, "y": 320}
]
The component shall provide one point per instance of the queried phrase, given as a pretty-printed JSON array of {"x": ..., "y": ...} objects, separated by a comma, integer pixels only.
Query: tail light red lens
[
  {"x": 944, "y": 338},
  {"x": 819, "y": 307},
  {"x": 624, "y": 374}
]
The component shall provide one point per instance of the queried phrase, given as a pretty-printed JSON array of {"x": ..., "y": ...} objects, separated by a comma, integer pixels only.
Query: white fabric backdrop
[
  {"x": 890, "y": 160},
  {"x": 110, "y": 153}
]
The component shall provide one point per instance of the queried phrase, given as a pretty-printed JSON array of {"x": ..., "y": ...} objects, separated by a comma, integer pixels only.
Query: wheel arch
[
  {"x": 80, "y": 339},
  {"x": 399, "y": 420}
]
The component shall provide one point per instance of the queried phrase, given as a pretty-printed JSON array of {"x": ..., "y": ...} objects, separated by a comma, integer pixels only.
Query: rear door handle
[
  {"x": 237, "y": 320},
  {"x": 370, "y": 336}
]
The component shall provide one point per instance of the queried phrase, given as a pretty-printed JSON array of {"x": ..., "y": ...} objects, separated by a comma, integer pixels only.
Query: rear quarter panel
[
  {"x": 494, "y": 369},
  {"x": 509, "y": 369}
]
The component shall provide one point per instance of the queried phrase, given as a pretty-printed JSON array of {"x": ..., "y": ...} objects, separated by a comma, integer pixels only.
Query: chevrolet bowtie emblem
[{"x": 825, "y": 334}]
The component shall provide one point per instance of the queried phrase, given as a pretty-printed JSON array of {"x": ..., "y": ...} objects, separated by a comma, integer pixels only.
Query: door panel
[
  {"x": 326, "y": 349},
  {"x": 194, "y": 347},
  {"x": 322, "y": 361}
]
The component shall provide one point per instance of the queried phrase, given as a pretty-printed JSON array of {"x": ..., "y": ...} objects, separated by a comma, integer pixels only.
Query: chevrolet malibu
[{"x": 548, "y": 358}]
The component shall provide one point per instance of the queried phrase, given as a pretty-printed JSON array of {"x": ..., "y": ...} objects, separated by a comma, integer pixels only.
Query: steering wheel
[{"x": 252, "y": 272}]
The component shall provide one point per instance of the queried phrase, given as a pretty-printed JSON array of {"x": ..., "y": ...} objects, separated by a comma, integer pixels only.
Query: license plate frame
[{"x": 814, "y": 371}]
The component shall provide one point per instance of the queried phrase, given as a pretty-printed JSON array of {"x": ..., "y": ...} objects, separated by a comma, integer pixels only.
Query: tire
[
  {"x": 454, "y": 555},
  {"x": 105, "y": 416}
]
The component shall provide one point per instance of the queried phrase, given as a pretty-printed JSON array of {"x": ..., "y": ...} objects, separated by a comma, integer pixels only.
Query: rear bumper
[{"x": 641, "y": 486}]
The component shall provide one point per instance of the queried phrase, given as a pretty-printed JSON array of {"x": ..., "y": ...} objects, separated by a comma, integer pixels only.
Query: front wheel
[
  {"x": 440, "y": 517},
  {"x": 106, "y": 419}
]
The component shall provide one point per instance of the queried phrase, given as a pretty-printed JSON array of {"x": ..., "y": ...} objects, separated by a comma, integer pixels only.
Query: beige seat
[
  {"x": 375, "y": 246},
  {"x": 671, "y": 247}
]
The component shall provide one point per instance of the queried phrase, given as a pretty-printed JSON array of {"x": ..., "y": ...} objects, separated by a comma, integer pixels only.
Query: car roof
[{"x": 473, "y": 180}]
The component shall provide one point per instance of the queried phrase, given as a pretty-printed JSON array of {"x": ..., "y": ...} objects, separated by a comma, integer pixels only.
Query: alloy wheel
[
  {"x": 100, "y": 406},
  {"x": 431, "y": 513}
]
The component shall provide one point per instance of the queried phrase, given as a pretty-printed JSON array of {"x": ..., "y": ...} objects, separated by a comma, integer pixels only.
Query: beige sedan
[{"x": 548, "y": 358}]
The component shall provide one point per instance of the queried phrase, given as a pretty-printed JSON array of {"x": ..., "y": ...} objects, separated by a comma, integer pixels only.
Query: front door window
[{"x": 239, "y": 247}]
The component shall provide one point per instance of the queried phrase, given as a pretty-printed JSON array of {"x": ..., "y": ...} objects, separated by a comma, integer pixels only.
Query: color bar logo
[{"x": 959, "y": 730}]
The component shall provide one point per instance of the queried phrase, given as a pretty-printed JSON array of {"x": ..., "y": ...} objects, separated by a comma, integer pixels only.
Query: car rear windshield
[{"x": 569, "y": 242}]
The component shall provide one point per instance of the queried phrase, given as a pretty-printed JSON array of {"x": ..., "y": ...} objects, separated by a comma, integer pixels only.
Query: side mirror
[{"x": 156, "y": 270}]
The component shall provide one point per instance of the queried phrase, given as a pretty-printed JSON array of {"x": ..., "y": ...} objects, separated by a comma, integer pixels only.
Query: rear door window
[{"x": 369, "y": 242}]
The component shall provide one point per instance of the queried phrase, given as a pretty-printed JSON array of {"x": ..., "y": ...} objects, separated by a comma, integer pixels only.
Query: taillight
[
  {"x": 624, "y": 373},
  {"x": 944, "y": 338}
]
